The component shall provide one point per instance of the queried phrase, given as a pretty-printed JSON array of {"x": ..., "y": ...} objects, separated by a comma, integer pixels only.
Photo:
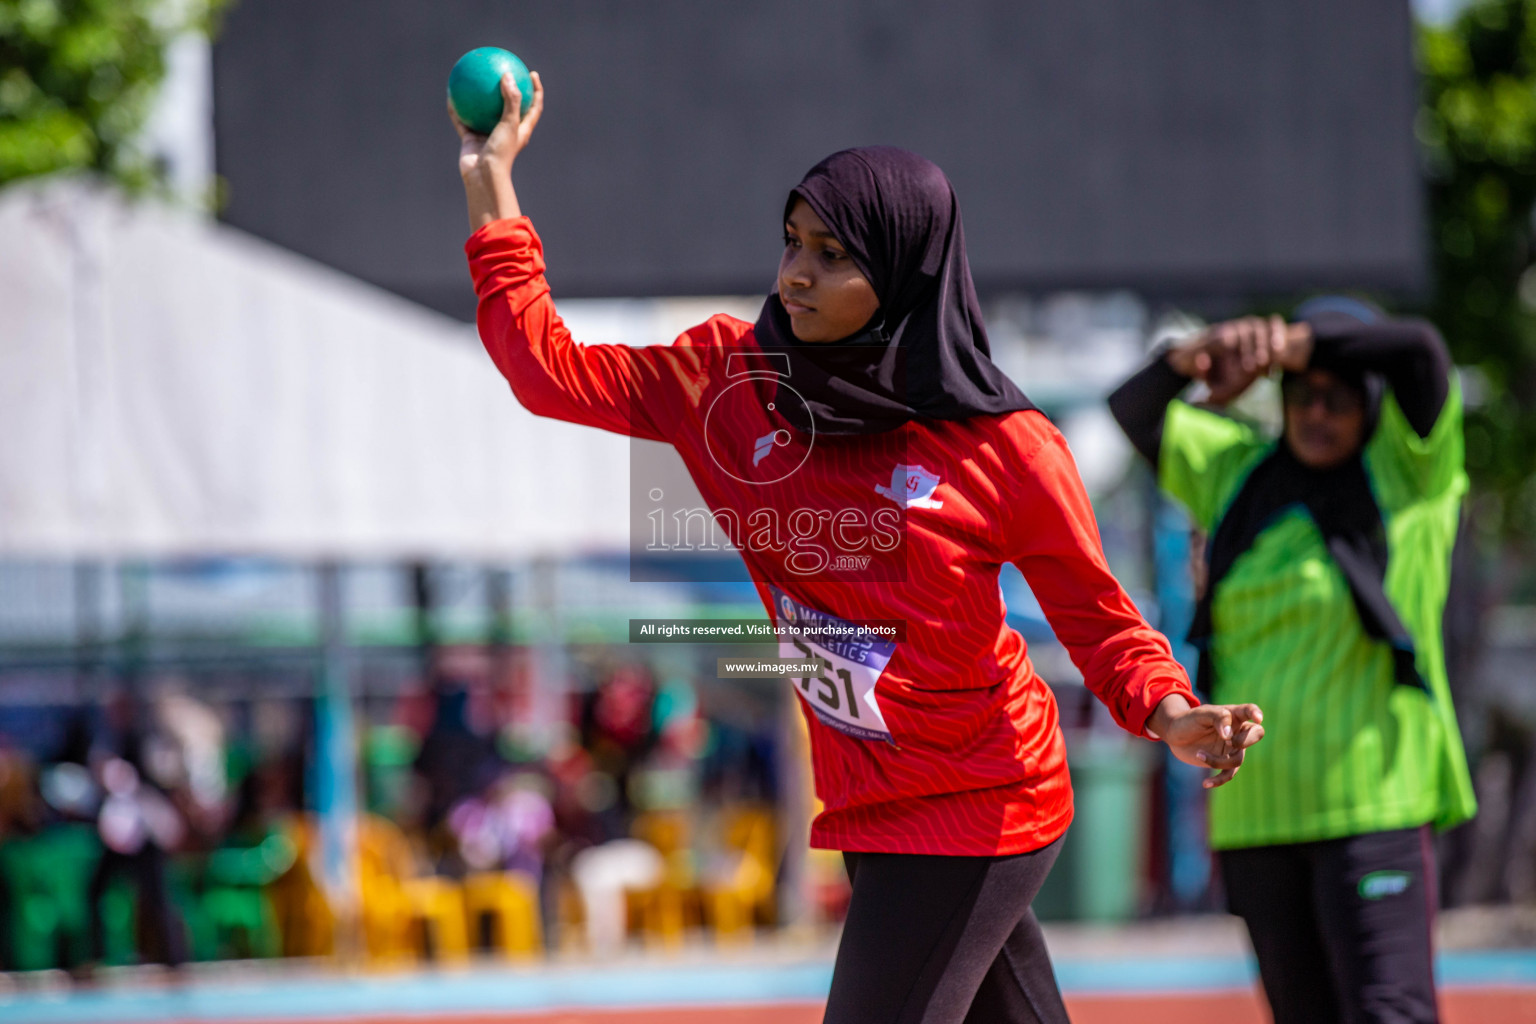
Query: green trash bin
[{"x": 1098, "y": 874}]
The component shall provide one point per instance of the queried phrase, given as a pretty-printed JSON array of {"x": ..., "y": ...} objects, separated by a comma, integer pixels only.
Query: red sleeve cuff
[
  {"x": 515, "y": 230},
  {"x": 506, "y": 250},
  {"x": 1139, "y": 710}
]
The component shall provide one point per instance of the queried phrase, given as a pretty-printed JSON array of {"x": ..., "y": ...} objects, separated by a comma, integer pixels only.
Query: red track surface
[{"x": 1462, "y": 1006}]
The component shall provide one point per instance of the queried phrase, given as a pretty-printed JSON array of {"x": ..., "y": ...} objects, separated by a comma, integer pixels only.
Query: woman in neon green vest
[{"x": 1328, "y": 566}]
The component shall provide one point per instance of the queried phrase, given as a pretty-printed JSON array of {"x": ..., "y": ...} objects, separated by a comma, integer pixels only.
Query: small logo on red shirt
[
  {"x": 768, "y": 442},
  {"x": 788, "y": 610},
  {"x": 911, "y": 487}
]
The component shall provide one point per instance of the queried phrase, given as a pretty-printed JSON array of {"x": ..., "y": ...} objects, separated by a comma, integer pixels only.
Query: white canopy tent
[{"x": 170, "y": 386}]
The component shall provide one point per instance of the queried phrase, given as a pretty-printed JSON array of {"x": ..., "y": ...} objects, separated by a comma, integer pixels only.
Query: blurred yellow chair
[
  {"x": 570, "y": 917},
  {"x": 384, "y": 862},
  {"x": 510, "y": 899},
  {"x": 746, "y": 894},
  {"x": 664, "y": 912},
  {"x": 403, "y": 914},
  {"x": 436, "y": 911},
  {"x": 305, "y": 919}
]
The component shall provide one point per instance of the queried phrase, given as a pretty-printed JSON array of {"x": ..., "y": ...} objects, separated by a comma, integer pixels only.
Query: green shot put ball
[{"x": 474, "y": 86}]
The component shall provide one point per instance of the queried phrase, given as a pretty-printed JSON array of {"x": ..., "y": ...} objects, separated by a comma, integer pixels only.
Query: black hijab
[
  {"x": 925, "y": 355},
  {"x": 1338, "y": 499}
]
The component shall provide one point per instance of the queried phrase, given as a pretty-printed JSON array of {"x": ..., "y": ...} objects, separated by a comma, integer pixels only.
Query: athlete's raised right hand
[
  {"x": 485, "y": 161},
  {"x": 496, "y": 151}
]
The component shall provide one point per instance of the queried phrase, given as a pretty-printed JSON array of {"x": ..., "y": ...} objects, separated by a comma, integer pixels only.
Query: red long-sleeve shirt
[{"x": 948, "y": 741}]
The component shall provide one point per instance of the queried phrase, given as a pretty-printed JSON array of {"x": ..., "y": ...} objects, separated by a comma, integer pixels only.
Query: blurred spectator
[
  {"x": 617, "y": 729},
  {"x": 668, "y": 777},
  {"x": 20, "y": 810},
  {"x": 453, "y": 755},
  {"x": 138, "y": 825},
  {"x": 20, "y": 815},
  {"x": 505, "y": 827},
  {"x": 186, "y": 749}
]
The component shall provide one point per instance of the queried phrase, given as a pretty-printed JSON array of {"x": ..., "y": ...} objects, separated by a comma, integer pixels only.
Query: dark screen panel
[{"x": 1183, "y": 146}]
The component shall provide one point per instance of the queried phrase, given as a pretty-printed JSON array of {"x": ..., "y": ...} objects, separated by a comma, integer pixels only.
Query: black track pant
[
  {"x": 944, "y": 940},
  {"x": 1342, "y": 927}
]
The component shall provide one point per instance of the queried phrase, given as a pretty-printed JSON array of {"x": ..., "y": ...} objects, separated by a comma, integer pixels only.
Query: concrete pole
[{"x": 336, "y": 752}]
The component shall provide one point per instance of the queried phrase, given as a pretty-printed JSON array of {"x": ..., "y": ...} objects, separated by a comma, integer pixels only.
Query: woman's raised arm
[{"x": 641, "y": 392}]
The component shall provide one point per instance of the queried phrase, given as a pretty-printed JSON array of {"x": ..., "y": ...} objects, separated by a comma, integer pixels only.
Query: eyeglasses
[{"x": 1337, "y": 400}]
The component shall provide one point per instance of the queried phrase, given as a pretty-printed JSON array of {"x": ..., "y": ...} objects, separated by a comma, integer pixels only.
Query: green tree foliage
[
  {"x": 78, "y": 78},
  {"x": 1478, "y": 127}
]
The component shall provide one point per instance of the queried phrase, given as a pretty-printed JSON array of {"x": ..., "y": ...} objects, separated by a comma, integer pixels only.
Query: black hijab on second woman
[{"x": 925, "y": 355}]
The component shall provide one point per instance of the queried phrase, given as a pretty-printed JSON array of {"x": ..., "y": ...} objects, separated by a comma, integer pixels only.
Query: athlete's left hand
[{"x": 1212, "y": 736}]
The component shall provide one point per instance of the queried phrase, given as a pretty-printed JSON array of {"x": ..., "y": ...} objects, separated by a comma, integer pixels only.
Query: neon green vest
[{"x": 1346, "y": 749}]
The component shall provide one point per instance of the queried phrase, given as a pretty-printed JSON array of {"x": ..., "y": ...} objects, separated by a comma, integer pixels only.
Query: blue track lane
[{"x": 506, "y": 990}]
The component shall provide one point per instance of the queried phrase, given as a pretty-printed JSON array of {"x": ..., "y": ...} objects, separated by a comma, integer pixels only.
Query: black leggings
[
  {"x": 944, "y": 940},
  {"x": 1341, "y": 927}
]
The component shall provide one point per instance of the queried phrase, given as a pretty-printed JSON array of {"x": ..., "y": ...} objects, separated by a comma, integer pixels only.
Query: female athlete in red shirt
[{"x": 883, "y": 473}]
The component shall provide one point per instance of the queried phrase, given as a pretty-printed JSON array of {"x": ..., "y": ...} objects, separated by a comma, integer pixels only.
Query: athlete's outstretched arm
[
  {"x": 636, "y": 391},
  {"x": 1128, "y": 665}
]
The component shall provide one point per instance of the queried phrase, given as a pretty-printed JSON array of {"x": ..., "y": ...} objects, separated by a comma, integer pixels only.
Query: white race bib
[{"x": 843, "y": 693}]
